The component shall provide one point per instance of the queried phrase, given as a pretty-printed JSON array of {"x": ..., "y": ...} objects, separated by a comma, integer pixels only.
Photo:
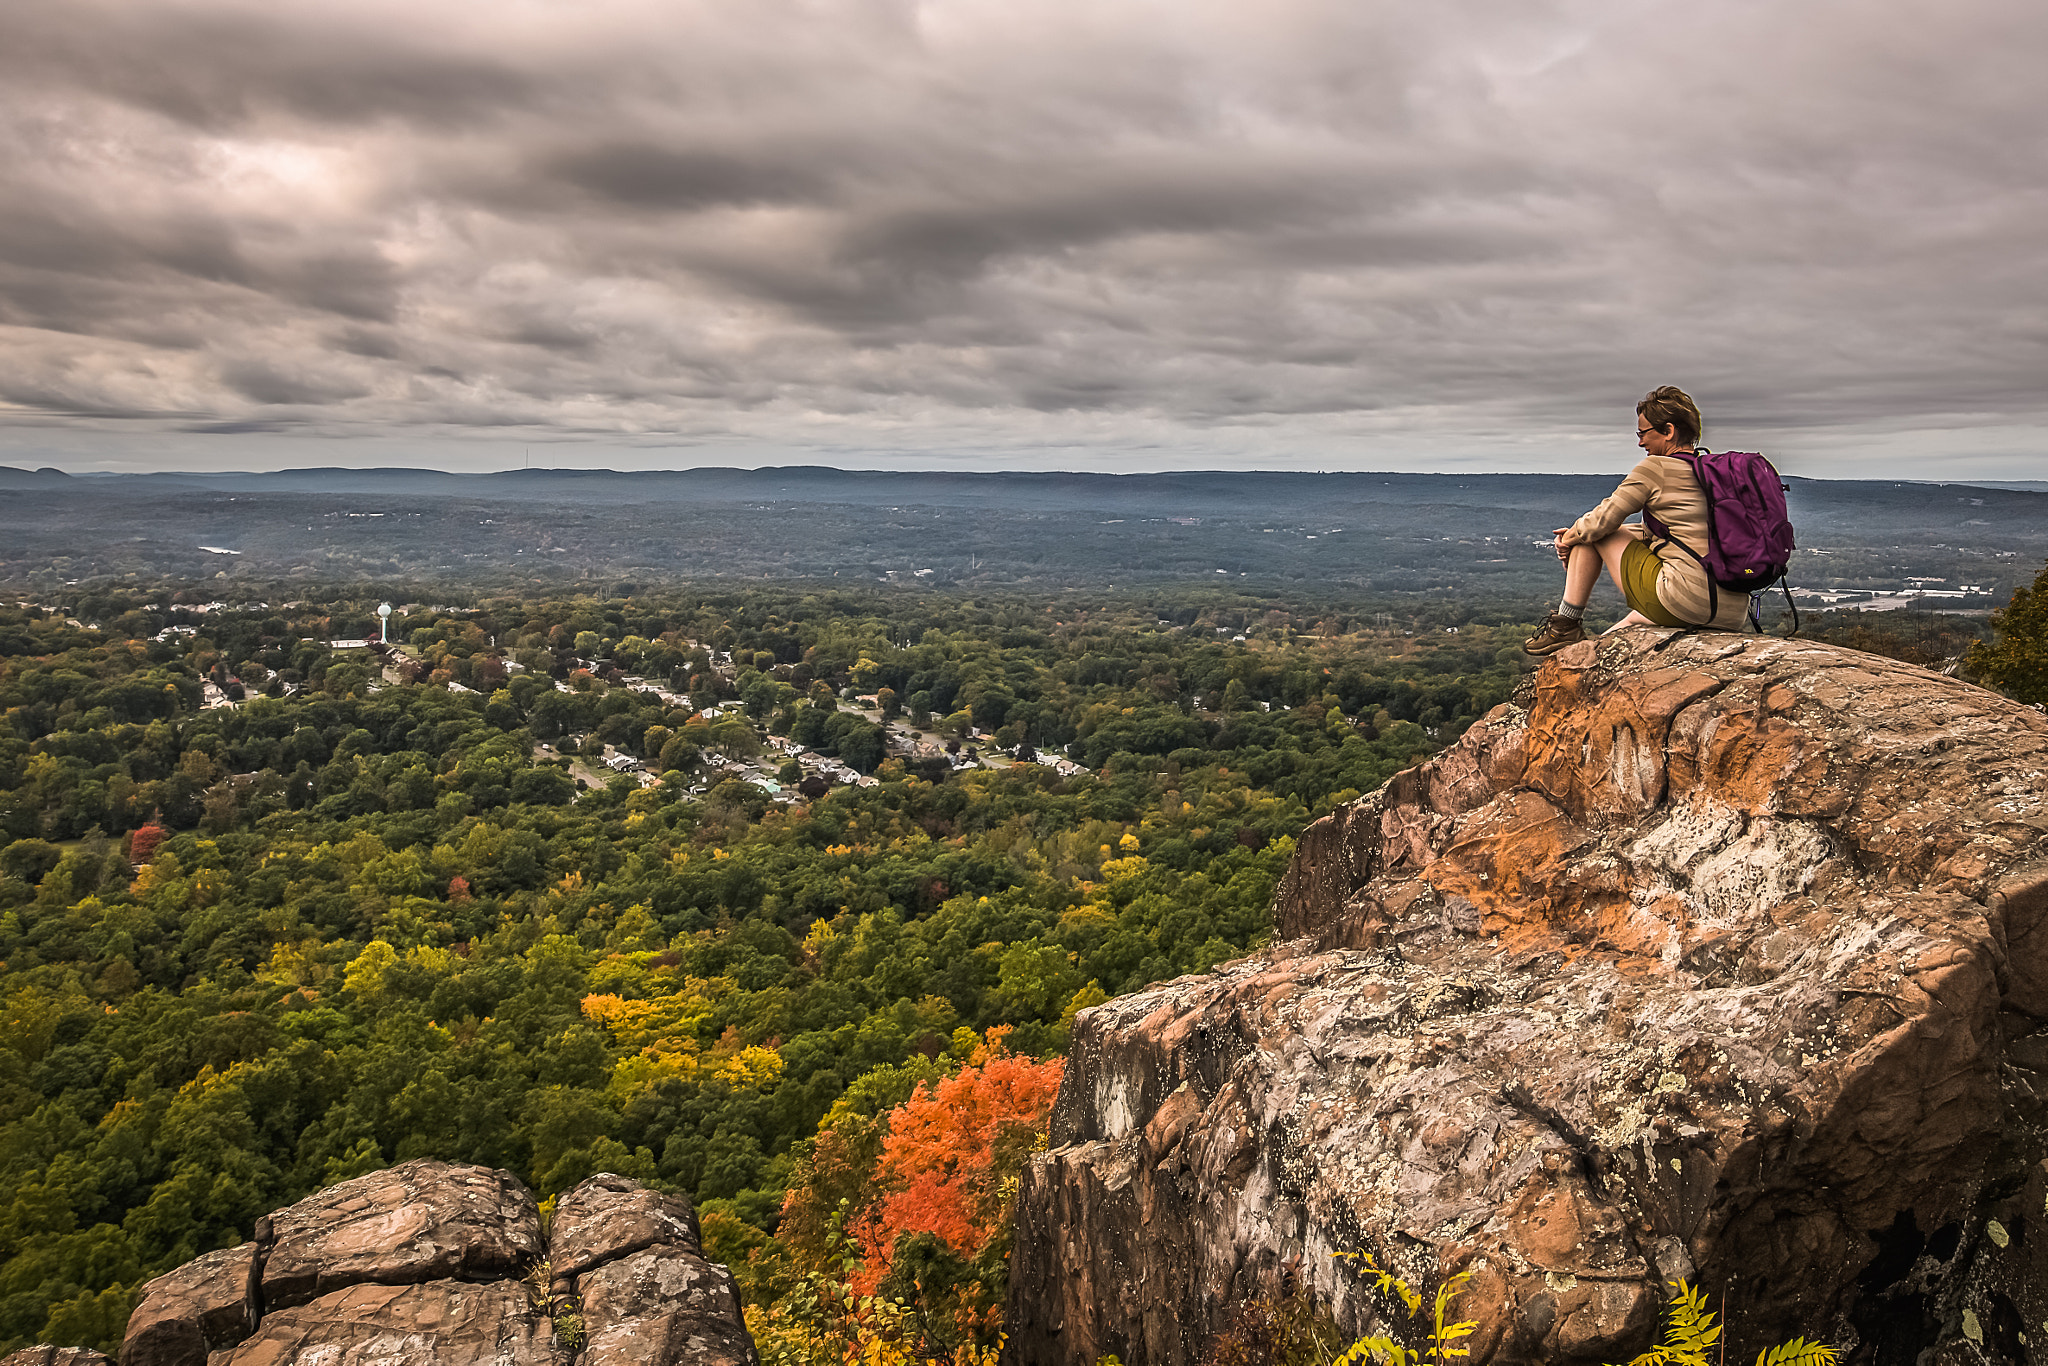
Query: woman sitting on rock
[{"x": 1664, "y": 585}]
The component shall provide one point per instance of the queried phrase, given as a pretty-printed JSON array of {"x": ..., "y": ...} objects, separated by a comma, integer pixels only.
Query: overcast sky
[{"x": 1092, "y": 234}]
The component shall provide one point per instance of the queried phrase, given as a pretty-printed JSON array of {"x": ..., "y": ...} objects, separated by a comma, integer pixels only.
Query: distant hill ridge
[{"x": 823, "y": 483}]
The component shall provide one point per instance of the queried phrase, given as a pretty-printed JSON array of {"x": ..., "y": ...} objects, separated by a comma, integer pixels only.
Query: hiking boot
[{"x": 1558, "y": 632}]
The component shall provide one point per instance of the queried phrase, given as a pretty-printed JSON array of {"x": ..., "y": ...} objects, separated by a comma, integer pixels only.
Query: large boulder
[
  {"x": 435, "y": 1262},
  {"x": 631, "y": 1258},
  {"x": 418, "y": 1221},
  {"x": 1710, "y": 957},
  {"x": 44, "y": 1355},
  {"x": 202, "y": 1306},
  {"x": 608, "y": 1217},
  {"x": 662, "y": 1306},
  {"x": 440, "y": 1323}
]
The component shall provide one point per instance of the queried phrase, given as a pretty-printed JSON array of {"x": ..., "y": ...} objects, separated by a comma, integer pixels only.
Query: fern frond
[
  {"x": 1387, "y": 1282},
  {"x": 1376, "y": 1348},
  {"x": 1688, "y": 1334},
  {"x": 1798, "y": 1352},
  {"x": 1448, "y": 1291},
  {"x": 1690, "y": 1317},
  {"x": 1444, "y": 1334}
]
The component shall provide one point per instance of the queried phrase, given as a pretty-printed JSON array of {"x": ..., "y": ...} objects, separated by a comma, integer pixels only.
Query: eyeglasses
[{"x": 1642, "y": 432}]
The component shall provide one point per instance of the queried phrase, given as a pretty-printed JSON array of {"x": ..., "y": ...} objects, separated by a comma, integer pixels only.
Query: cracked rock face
[
  {"x": 439, "y": 1323},
  {"x": 663, "y": 1303},
  {"x": 647, "y": 1295},
  {"x": 419, "y": 1221},
  {"x": 201, "y": 1306},
  {"x": 608, "y": 1217},
  {"x": 1725, "y": 961},
  {"x": 441, "y": 1264}
]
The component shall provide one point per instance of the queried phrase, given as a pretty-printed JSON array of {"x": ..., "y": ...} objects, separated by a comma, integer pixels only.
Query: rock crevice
[{"x": 1709, "y": 957}]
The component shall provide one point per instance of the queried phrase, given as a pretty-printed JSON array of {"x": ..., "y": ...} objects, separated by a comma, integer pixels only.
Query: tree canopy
[
  {"x": 362, "y": 916},
  {"x": 2016, "y": 662}
]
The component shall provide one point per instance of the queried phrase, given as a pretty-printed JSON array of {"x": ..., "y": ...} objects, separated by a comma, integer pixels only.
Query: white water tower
[{"x": 384, "y": 623}]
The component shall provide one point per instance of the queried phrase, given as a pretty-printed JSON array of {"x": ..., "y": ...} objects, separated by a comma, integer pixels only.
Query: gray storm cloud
[{"x": 1137, "y": 234}]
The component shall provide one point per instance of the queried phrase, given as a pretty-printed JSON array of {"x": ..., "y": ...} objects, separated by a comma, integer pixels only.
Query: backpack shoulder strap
[
  {"x": 1656, "y": 525},
  {"x": 1713, "y": 589}
]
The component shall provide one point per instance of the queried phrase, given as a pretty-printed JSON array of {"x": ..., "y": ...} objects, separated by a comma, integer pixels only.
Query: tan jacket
[{"x": 1664, "y": 485}]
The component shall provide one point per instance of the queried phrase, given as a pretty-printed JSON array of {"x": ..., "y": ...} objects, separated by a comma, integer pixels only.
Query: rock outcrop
[
  {"x": 438, "y": 1323},
  {"x": 203, "y": 1306},
  {"x": 446, "y": 1265},
  {"x": 411, "y": 1224},
  {"x": 1710, "y": 957},
  {"x": 631, "y": 1257},
  {"x": 55, "y": 1356}
]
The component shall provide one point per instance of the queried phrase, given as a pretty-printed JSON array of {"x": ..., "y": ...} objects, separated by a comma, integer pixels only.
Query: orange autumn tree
[
  {"x": 951, "y": 1148},
  {"x": 906, "y": 1216}
]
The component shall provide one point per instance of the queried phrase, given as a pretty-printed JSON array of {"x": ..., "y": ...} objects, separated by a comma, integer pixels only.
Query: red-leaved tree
[{"x": 142, "y": 845}]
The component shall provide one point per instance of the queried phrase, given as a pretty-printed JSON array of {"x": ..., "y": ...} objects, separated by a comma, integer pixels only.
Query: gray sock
[{"x": 1575, "y": 613}]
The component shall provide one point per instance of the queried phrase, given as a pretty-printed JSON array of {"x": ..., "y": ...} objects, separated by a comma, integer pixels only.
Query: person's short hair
[{"x": 1671, "y": 406}]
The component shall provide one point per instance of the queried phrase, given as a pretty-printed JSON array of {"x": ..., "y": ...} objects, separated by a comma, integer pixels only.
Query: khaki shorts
[{"x": 1639, "y": 568}]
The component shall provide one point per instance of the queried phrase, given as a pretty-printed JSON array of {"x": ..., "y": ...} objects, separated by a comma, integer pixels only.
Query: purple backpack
[{"x": 1749, "y": 535}]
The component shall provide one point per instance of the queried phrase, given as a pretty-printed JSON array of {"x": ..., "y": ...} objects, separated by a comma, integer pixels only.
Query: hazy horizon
[
  {"x": 936, "y": 466},
  {"x": 349, "y": 475}
]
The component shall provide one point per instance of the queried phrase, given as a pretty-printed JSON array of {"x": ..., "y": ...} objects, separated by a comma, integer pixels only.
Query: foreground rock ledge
[
  {"x": 1711, "y": 957},
  {"x": 437, "y": 1263}
]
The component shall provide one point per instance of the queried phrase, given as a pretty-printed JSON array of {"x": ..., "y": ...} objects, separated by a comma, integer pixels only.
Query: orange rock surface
[{"x": 1713, "y": 957}]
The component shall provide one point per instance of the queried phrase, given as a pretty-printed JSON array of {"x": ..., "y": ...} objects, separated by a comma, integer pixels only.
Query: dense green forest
[{"x": 359, "y": 916}]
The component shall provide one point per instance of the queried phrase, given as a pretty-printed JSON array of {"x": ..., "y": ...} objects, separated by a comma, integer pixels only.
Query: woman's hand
[{"x": 1561, "y": 545}]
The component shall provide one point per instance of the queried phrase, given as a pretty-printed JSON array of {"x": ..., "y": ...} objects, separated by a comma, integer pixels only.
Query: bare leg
[
  {"x": 1581, "y": 572},
  {"x": 1611, "y": 551},
  {"x": 1582, "y": 565}
]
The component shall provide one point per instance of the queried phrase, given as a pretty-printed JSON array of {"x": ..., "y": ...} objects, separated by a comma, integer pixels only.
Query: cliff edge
[{"x": 1710, "y": 957}]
